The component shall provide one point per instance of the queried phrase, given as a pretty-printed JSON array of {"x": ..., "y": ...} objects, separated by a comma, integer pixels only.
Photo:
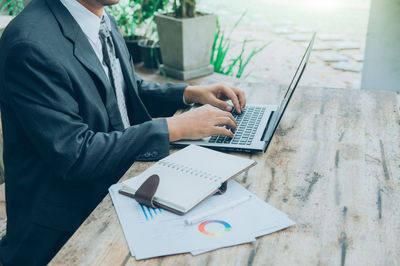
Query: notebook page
[
  {"x": 174, "y": 185},
  {"x": 191, "y": 174}
]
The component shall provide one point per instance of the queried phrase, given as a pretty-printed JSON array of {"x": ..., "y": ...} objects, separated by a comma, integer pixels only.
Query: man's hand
[
  {"x": 216, "y": 95},
  {"x": 201, "y": 122}
]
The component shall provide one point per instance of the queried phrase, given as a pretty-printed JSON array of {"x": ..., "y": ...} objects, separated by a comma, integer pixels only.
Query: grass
[{"x": 221, "y": 46}]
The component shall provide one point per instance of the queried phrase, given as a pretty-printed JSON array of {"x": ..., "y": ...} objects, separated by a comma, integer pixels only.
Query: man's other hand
[
  {"x": 216, "y": 95},
  {"x": 201, "y": 122}
]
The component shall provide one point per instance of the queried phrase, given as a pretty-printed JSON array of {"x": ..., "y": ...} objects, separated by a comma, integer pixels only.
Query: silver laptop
[{"x": 257, "y": 124}]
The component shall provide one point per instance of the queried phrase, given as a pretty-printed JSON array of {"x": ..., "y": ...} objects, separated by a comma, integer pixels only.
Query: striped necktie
[{"x": 110, "y": 60}]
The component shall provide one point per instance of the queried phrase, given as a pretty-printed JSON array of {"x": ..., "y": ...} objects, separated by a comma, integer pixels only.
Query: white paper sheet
[
  {"x": 261, "y": 217},
  {"x": 152, "y": 233},
  {"x": 157, "y": 232}
]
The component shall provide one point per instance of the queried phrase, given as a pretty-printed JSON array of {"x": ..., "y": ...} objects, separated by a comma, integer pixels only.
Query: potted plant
[
  {"x": 11, "y": 7},
  {"x": 186, "y": 39},
  {"x": 8, "y": 10},
  {"x": 128, "y": 16},
  {"x": 132, "y": 17},
  {"x": 149, "y": 45}
]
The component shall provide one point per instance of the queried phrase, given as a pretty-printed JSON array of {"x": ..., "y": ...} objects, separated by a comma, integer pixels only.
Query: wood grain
[{"x": 333, "y": 167}]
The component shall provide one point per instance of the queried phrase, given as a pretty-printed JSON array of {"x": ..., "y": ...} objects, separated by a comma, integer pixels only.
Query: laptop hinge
[{"x": 267, "y": 126}]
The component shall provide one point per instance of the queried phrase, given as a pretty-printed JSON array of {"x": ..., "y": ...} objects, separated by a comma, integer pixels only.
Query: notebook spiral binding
[{"x": 191, "y": 171}]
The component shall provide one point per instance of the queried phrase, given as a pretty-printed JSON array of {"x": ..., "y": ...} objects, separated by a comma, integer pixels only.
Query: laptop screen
[{"x": 277, "y": 115}]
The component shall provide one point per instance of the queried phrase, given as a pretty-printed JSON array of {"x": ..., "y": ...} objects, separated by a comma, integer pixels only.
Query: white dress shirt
[{"x": 90, "y": 25}]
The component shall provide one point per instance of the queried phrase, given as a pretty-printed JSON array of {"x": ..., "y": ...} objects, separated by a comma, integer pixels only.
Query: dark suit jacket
[{"x": 64, "y": 142}]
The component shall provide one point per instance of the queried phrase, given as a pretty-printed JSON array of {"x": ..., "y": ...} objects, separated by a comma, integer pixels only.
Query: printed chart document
[
  {"x": 157, "y": 232},
  {"x": 189, "y": 176}
]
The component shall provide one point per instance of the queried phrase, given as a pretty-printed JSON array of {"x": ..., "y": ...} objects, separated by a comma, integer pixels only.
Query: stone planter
[{"x": 186, "y": 45}]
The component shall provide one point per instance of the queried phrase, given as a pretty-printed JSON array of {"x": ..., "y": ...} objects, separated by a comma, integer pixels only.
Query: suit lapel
[{"x": 84, "y": 52}]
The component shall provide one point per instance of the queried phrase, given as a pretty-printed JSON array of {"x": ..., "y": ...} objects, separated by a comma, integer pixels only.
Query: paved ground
[{"x": 345, "y": 19}]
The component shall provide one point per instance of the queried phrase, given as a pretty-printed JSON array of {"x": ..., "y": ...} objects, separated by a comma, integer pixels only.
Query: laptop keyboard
[{"x": 247, "y": 124}]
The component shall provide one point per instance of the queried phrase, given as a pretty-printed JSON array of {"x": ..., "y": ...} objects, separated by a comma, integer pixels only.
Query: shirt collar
[{"x": 89, "y": 22}]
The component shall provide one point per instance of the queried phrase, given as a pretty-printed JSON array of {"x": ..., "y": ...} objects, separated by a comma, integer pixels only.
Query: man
[{"x": 75, "y": 118}]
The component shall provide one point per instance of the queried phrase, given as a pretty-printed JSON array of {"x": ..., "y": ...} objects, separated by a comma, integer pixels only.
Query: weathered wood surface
[{"x": 333, "y": 167}]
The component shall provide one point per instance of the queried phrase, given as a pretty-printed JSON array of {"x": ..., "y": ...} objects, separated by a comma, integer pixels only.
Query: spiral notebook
[{"x": 188, "y": 176}]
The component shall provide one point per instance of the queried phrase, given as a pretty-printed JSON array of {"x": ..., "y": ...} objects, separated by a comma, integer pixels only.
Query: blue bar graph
[{"x": 150, "y": 213}]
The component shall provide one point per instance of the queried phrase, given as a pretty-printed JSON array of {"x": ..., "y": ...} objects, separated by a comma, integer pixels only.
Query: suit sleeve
[
  {"x": 161, "y": 100},
  {"x": 40, "y": 92}
]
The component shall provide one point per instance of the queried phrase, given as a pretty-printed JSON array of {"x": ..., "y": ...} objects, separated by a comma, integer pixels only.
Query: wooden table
[{"x": 333, "y": 167}]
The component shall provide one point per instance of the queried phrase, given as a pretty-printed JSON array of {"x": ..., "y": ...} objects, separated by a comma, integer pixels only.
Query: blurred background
[
  {"x": 271, "y": 33},
  {"x": 285, "y": 25}
]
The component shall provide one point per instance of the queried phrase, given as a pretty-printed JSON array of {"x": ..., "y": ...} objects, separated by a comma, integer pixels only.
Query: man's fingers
[
  {"x": 228, "y": 91},
  {"x": 226, "y": 114},
  {"x": 225, "y": 121},
  {"x": 241, "y": 96},
  {"x": 222, "y": 105},
  {"x": 222, "y": 131}
]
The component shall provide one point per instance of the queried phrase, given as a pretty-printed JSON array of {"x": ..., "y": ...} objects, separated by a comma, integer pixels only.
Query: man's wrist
[
  {"x": 188, "y": 95},
  {"x": 174, "y": 133}
]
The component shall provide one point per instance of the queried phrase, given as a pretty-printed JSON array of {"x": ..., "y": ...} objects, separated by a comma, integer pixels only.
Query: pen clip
[{"x": 222, "y": 189}]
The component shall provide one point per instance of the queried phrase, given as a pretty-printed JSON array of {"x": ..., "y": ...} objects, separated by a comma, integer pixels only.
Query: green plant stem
[
  {"x": 252, "y": 54},
  {"x": 221, "y": 46}
]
